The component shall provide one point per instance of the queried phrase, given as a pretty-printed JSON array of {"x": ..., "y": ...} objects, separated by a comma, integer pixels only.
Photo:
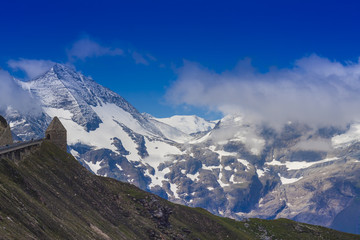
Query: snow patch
[
  {"x": 74, "y": 153},
  {"x": 222, "y": 184},
  {"x": 261, "y": 172},
  {"x": 17, "y": 123},
  {"x": 210, "y": 167},
  {"x": 174, "y": 188},
  {"x": 274, "y": 163},
  {"x": 159, "y": 152},
  {"x": 119, "y": 167},
  {"x": 193, "y": 177},
  {"x": 227, "y": 168},
  {"x": 288, "y": 180},
  {"x": 232, "y": 179},
  {"x": 95, "y": 167},
  {"x": 299, "y": 165},
  {"x": 188, "y": 124},
  {"x": 245, "y": 163}
]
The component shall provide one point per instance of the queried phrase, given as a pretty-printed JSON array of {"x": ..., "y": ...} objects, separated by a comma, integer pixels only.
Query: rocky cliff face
[
  {"x": 5, "y": 132},
  {"x": 237, "y": 168}
]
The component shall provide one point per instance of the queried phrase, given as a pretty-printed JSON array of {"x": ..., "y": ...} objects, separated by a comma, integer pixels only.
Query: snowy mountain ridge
[
  {"x": 188, "y": 124},
  {"x": 233, "y": 168}
]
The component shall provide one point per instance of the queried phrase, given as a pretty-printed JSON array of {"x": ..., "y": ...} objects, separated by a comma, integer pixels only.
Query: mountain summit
[{"x": 63, "y": 88}]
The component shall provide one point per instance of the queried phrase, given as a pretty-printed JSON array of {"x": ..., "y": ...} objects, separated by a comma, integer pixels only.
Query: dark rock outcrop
[{"x": 5, "y": 132}]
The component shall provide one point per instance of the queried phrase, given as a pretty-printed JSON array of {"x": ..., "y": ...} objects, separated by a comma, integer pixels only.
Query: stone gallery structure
[{"x": 55, "y": 133}]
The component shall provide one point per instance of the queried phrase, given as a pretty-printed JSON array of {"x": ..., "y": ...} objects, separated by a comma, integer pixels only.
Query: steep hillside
[{"x": 49, "y": 195}]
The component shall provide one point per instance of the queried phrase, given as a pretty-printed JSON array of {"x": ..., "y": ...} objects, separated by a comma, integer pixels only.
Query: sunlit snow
[
  {"x": 288, "y": 180},
  {"x": 174, "y": 189},
  {"x": 299, "y": 165},
  {"x": 119, "y": 167},
  {"x": 193, "y": 177},
  {"x": 245, "y": 163},
  {"x": 95, "y": 167},
  {"x": 159, "y": 152},
  {"x": 188, "y": 124}
]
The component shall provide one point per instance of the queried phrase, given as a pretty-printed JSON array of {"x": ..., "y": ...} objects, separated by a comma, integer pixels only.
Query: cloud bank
[
  {"x": 11, "y": 94},
  {"x": 32, "y": 67},
  {"x": 86, "y": 48},
  {"x": 315, "y": 91}
]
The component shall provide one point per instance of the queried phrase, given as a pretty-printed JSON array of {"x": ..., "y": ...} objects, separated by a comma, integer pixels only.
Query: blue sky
[{"x": 139, "y": 48}]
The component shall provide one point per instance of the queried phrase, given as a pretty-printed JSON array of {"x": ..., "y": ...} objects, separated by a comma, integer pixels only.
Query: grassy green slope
[{"x": 49, "y": 195}]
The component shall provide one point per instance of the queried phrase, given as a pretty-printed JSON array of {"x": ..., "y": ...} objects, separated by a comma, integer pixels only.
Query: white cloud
[
  {"x": 139, "y": 59},
  {"x": 86, "y": 48},
  {"x": 11, "y": 94},
  {"x": 314, "y": 145},
  {"x": 32, "y": 67},
  {"x": 315, "y": 91},
  {"x": 151, "y": 57},
  {"x": 142, "y": 58}
]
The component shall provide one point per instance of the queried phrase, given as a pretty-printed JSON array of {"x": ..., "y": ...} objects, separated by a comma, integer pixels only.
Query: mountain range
[
  {"x": 231, "y": 167},
  {"x": 49, "y": 195}
]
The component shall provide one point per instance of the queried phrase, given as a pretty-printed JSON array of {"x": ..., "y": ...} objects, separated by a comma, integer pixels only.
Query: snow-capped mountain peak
[{"x": 63, "y": 88}]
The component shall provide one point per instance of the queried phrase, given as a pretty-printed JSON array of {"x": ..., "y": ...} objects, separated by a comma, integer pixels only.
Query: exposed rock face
[
  {"x": 56, "y": 133},
  {"x": 5, "y": 132}
]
